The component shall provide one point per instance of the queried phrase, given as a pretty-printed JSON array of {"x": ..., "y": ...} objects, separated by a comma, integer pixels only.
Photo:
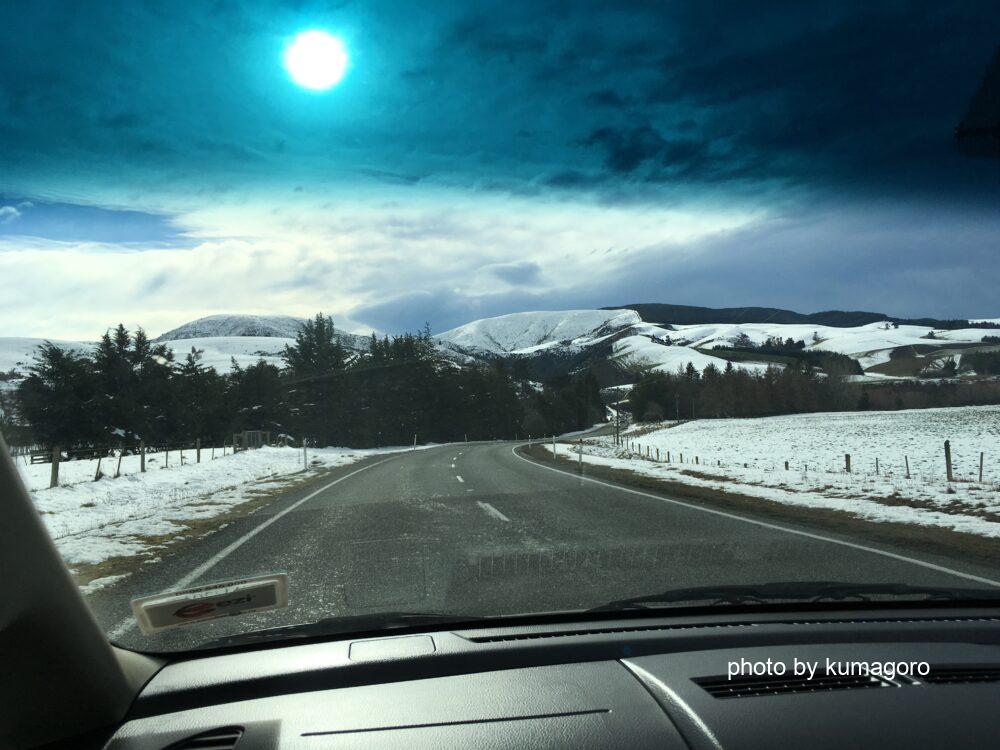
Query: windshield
[{"x": 330, "y": 318}]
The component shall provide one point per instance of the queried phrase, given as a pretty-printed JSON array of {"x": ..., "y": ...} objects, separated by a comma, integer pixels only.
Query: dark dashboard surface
[{"x": 622, "y": 684}]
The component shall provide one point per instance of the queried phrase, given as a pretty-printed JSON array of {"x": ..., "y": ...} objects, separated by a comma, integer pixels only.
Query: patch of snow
[
  {"x": 663, "y": 358},
  {"x": 93, "y": 521},
  {"x": 527, "y": 331},
  {"x": 815, "y": 444}
]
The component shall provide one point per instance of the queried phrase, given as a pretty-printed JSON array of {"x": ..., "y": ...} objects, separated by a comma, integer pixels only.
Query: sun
[{"x": 316, "y": 60}]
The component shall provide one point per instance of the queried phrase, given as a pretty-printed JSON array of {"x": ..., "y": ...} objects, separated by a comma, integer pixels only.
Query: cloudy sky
[{"x": 157, "y": 163}]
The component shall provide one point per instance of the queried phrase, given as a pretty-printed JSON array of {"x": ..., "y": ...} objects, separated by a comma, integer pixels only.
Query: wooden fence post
[
  {"x": 668, "y": 457},
  {"x": 947, "y": 460},
  {"x": 786, "y": 465},
  {"x": 54, "y": 473},
  {"x": 876, "y": 465},
  {"x": 97, "y": 474},
  {"x": 907, "y": 460},
  {"x": 981, "y": 466},
  {"x": 166, "y": 458},
  {"x": 142, "y": 456},
  {"x": 580, "y": 443},
  {"x": 197, "y": 450},
  {"x": 847, "y": 462},
  {"x": 657, "y": 454}
]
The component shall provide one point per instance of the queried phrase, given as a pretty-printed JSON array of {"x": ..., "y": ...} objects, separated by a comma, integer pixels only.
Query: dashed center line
[
  {"x": 459, "y": 478},
  {"x": 492, "y": 511}
]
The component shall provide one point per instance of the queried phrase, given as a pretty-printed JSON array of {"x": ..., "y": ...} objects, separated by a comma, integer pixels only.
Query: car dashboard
[{"x": 634, "y": 682}]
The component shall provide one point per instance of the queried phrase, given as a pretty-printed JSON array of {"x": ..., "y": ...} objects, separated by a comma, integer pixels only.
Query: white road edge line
[
  {"x": 459, "y": 479},
  {"x": 129, "y": 622},
  {"x": 765, "y": 524},
  {"x": 492, "y": 511}
]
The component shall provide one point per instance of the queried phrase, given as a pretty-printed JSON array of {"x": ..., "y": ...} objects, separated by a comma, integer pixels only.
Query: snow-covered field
[
  {"x": 93, "y": 521},
  {"x": 815, "y": 444}
]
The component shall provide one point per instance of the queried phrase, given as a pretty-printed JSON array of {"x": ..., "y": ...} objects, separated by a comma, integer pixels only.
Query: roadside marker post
[
  {"x": 981, "y": 453},
  {"x": 847, "y": 462},
  {"x": 305, "y": 454},
  {"x": 580, "y": 441},
  {"x": 553, "y": 445},
  {"x": 54, "y": 473},
  {"x": 947, "y": 460}
]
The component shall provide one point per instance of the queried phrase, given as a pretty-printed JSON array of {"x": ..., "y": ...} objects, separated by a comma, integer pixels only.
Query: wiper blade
[
  {"x": 798, "y": 591},
  {"x": 345, "y": 625}
]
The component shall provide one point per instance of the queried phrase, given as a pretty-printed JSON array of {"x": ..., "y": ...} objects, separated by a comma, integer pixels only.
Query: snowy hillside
[
  {"x": 529, "y": 331},
  {"x": 283, "y": 327},
  {"x": 211, "y": 326},
  {"x": 219, "y": 351},
  {"x": 554, "y": 342},
  {"x": 17, "y": 353},
  {"x": 909, "y": 484}
]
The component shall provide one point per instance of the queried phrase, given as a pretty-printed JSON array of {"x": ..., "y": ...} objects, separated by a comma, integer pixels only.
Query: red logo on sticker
[{"x": 194, "y": 610}]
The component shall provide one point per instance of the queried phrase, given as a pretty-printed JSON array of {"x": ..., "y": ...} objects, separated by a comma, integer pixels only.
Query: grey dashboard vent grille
[
  {"x": 748, "y": 687},
  {"x": 600, "y": 631},
  {"x": 504, "y": 637},
  {"x": 223, "y": 738},
  {"x": 957, "y": 675}
]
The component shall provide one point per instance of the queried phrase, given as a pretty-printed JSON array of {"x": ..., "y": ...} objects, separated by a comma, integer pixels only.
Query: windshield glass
[{"x": 347, "y": 317}]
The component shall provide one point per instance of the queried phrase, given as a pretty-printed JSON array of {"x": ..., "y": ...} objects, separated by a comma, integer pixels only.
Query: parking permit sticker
[{"x": 172, "y": 609}]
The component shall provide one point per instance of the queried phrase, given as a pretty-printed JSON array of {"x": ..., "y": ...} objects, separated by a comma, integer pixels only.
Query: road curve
[{"x": 476, "y": 529}]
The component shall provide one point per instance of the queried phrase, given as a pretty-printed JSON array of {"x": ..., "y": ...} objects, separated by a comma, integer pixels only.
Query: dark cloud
[{"x": 520, "y": 273}]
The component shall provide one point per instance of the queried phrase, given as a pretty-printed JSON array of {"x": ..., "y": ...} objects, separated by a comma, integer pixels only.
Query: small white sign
[{"x": 172, "y": 609}]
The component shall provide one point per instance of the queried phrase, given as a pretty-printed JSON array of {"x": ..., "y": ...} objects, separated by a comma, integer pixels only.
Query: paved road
[{"x": 476, "y": 529}]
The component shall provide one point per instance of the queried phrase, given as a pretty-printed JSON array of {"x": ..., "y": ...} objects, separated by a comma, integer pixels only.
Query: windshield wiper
[
  {"x": 378, "y": 621},
  {"x": 799, "y": 591}
]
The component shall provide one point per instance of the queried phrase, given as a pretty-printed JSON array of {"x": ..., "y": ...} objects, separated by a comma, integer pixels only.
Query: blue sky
[{"x": 157, "y": 163}]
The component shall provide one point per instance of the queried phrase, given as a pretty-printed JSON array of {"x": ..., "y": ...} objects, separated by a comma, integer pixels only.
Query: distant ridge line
[{"x": 656, "y": 312}]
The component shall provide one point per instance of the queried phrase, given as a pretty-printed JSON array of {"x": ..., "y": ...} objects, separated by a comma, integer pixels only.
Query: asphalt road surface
[{"x": 477, "y": 529}]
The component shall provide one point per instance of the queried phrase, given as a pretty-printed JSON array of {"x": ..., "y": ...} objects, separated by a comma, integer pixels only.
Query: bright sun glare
[{"x": 316, "y": 60}]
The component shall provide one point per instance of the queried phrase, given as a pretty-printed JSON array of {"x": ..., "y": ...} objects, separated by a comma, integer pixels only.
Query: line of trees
[
  {"x": 131, "y": 389},
  {"x": 735, "y": 392}
]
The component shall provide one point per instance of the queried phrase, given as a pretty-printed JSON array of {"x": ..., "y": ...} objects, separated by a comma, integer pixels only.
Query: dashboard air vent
[
  {"x": 223, "y": 738},
  {"x": 532, "y": 636},
  {"x": 748, "y": 687},
  {"x": 958, "y": 675}
]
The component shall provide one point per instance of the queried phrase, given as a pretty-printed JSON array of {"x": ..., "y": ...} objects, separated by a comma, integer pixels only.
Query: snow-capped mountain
[
  {"x": 245, "y": 338},
  {"x": 617, "y": 342},
  {"x": 528, "y": 332},
  {"x": 270, "y": 326}
]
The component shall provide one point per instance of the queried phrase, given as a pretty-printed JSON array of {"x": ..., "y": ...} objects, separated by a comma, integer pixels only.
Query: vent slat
[
  {"x": 721, "y": 687},
  {"x": 223, "y": 738},
  {"x": 701, "y": 626},
  {"x": 958, "y": 675}
]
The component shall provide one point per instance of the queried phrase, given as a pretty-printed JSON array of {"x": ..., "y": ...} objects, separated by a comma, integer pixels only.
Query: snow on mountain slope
[
  {"x": 642, "y": 351},
  {"x": 277, "y": 326},
  {"x": 18, "y": 353},
  {"x": 855, "y": 342},
  {"x": 219, "y": 351},
  {"x": 528, "y": 331},
  {"x": 249, "y": 326}
]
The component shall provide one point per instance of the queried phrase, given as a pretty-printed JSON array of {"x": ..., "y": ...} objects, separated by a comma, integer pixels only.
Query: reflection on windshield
[{"x": 391, "y": 318}]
